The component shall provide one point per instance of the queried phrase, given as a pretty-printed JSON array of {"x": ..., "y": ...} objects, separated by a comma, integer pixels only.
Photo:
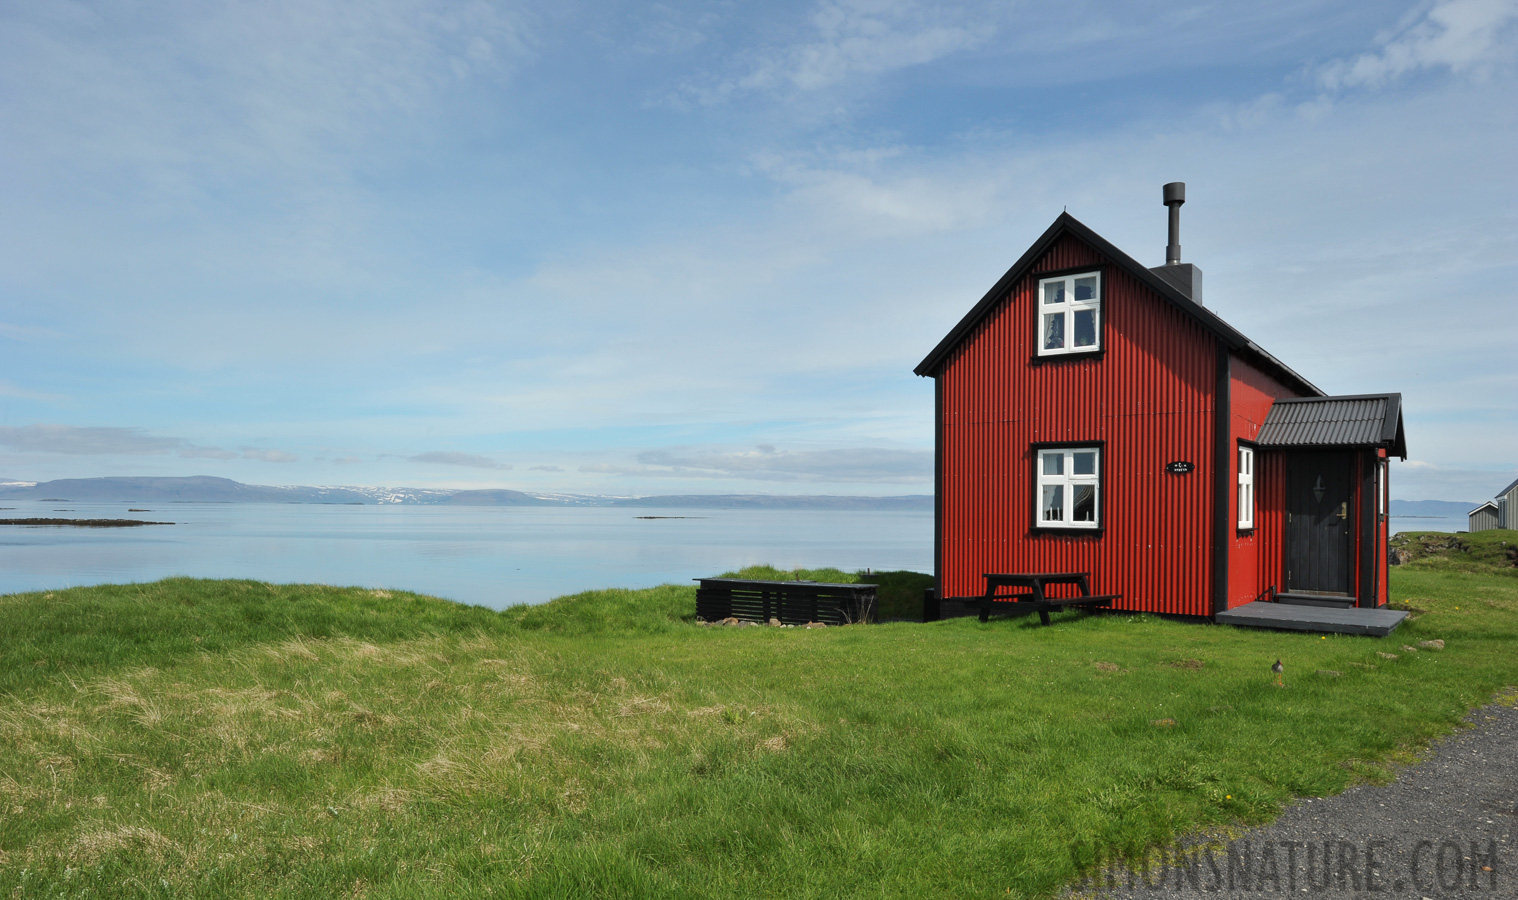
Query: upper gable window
[{"x": 1069, "y": 313}]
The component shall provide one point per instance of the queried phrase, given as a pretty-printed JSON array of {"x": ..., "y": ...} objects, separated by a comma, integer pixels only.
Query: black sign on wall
[{"x": 1180, "y": 467}]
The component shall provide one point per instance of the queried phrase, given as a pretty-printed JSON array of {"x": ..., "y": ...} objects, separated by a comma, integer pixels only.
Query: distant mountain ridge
[
  {"x": 193, "y": 488},
  {"x": 210, "y": 489},
  {"x": 1439, "y": 509},
  {"x": 497, "y": 498}
]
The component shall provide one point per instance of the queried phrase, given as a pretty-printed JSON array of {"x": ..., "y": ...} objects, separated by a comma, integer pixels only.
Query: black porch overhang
[{"x": 1324, "y": 423}]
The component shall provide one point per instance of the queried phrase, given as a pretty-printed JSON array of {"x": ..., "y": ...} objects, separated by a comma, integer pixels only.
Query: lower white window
[
  {"x": 1246, "y": 487},
  {"x": 1069, "y": 487}
]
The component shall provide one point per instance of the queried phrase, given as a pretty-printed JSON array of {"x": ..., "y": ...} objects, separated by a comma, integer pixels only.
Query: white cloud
[
  {"x": 85, "y": 441},
  {"x": 193, "y": 452},
  {"x": 264, "y": 455},
  {"x": 765, "y": 463},
  {"x": 222, "y": 205},
  {"x": 1421, "y": 480},
  {"x": 101, "y": 441},
  {"x": 1293, "y": 218},
  {"x": 211, "y": 89},
  {"x": 849, "y": 39},
  {"x": 872, "y": 36},
  {"x": 7, "y": 389},
  {"x": 27, "y": 333},
  {"x": 1459, "y": 35},
  {"x": 886, "y": 194},
  {"x": 469, "y": 460}
]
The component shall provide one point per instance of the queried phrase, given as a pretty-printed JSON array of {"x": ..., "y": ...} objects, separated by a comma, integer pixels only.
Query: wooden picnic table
[{"x": 1032, "y": 593}]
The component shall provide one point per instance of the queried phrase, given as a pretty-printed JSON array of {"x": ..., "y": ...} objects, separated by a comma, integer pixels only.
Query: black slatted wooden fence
[{"x": 792, "y": 602}]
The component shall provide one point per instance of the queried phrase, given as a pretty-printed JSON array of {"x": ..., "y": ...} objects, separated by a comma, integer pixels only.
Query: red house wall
[
  {"x": 1270, "y": 522},
  {"x": 1255, "y": 558},
  {"x": 1371, "y": 587},
  {"x": 1149, "y": 397}
]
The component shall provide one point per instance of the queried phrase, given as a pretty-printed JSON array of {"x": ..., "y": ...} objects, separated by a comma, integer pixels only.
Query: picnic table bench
[{"x": 1030, "y": 592}]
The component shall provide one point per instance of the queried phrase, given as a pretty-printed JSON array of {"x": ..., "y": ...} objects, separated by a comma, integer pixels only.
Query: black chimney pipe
[{"x": 1175, "y": 195}]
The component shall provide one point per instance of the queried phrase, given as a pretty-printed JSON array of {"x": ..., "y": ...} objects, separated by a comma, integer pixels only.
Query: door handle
[{"x": 1344, "y": 510}]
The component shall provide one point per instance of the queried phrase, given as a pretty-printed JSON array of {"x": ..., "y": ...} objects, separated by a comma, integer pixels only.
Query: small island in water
[{"x": 83, "y": 523}]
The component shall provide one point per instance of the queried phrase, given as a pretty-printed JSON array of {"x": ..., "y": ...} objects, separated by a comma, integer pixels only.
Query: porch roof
[{"x": 1362, "y": 420}]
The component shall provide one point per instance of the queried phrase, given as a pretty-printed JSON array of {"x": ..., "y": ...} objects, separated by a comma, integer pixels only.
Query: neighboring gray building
[
  {"x": 1484, "y": 517},
  {"x": 1499, "y": 512},
  {"x": 1507, "y": 507}
]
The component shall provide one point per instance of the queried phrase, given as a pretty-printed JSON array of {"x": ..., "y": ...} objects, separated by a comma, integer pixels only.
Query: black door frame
[
  {"x": 1304, "y": 571},
  {"x": 1371, "y": 544}
]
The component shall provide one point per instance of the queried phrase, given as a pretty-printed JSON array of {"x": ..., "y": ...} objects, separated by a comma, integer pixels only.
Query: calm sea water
[
  {"x": 1429, "y": 523},
  {"x": 491, "y": 556}
]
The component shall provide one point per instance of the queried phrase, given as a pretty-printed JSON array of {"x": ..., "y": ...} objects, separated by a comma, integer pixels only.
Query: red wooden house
[{"x": 1093, "y": 416}]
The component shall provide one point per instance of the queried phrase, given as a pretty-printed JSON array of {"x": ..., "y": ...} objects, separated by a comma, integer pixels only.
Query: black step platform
[
  {"x": 1330, "y": 600},
  {"x": 1333, "y": 620}
]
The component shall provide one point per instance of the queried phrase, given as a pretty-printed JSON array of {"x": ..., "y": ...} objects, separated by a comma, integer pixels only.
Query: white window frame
[
  {"x": 1067, "y": 481},
  {"x": 1067, "y": 309},
  {"x": 1381, "y": 488},
  {"x": 1246, "y": 490}
]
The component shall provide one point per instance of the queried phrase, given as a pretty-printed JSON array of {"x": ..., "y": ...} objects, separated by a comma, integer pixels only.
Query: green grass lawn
[{"x": 232, "y": 738}]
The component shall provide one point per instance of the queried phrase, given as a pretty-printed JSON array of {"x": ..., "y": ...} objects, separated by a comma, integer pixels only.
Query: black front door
[{"x": 1320, "y": 516}]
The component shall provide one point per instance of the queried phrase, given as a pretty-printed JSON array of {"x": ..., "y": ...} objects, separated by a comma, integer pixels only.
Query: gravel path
[{"x": 1444, "y": 829}]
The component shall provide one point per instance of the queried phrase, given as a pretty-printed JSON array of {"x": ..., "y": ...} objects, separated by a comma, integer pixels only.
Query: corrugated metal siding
[
  {"x": 1270, "y": 520},
  {"x": 1507, "y": 508},
  {"x": 1251, "y": 397},
  {"x": 1149, "y": 397},
  {"x": 1484, "y": 519},
  {"x": 1329, "y": 422}
]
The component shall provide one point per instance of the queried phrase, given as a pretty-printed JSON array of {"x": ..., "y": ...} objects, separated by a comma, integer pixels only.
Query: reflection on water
[{"x": 493, "y": 556}]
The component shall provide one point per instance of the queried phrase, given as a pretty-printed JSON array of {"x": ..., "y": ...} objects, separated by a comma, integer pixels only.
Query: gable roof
[
  {"x": 1507, "y": 490},
  {"x": 1068, "y": 224},
  {"x": 1361, "y": 420},
  {"x": 1490, "y": 504}
]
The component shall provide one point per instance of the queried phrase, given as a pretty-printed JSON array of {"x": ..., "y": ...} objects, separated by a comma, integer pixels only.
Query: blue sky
[{"x": 668, "y": 248}]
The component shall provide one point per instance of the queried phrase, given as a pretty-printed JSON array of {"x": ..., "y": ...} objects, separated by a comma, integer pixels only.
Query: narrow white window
[
  {"x": 1069, "y": 481},
  {"x": 1069, "y": 314},
  {"x": 1381, "y": 488},
  {"x": 1246, "y": 487}
]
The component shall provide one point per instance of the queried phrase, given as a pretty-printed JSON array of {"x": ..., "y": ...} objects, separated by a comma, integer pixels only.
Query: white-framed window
[
  {"x": 1246, "y": 487},
  {"x": 1070, "y": 313},
  {"x": 1069, "y": 487},
  {"x": 1381, "y": 488}
]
